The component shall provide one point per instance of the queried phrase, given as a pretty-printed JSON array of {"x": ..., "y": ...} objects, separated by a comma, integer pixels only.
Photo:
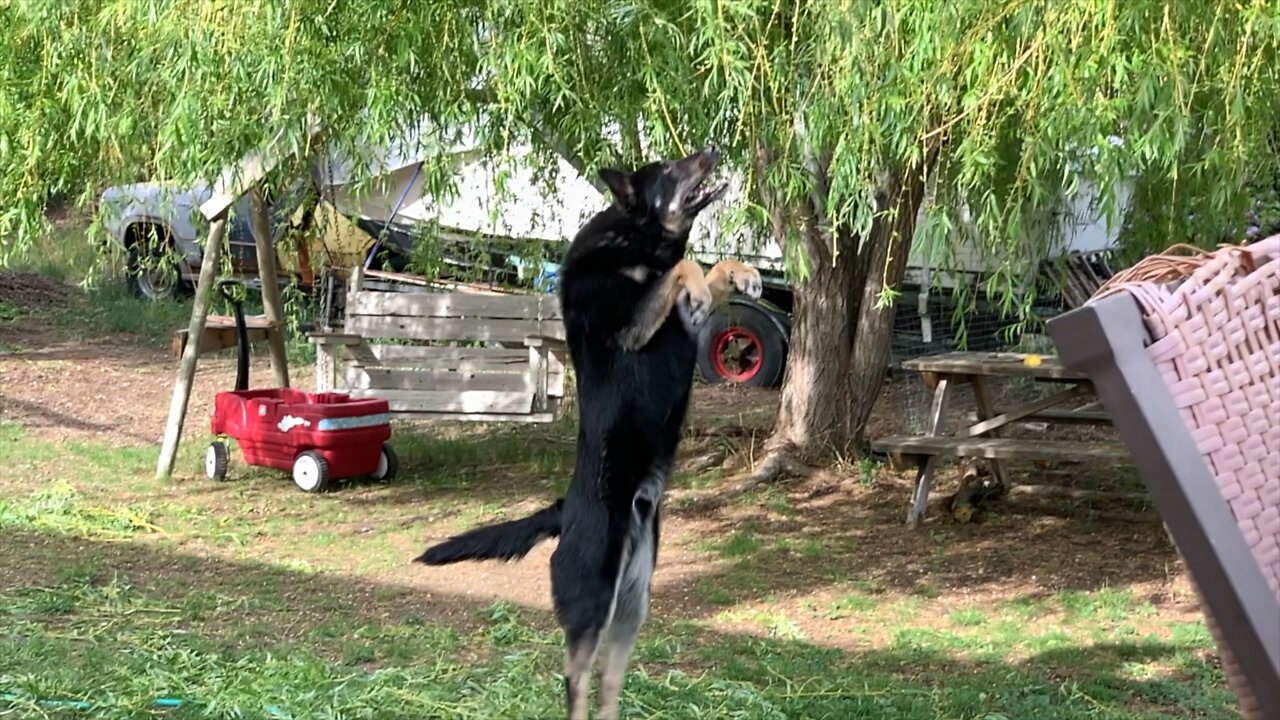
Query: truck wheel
[
  {"x": 150, "y": 274},
  {"x": 216, "y": 460},
  {"x": 311, "y": 472},
  {"x": 388, "y": 464},
  {"x": 741, "y": 344}
]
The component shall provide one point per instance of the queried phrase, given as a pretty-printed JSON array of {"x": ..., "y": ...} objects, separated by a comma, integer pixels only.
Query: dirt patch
[
  {"x": 109, "y": 390},
  {"x": 106, "y": 387},
  {"x": 31, "y": 291}
]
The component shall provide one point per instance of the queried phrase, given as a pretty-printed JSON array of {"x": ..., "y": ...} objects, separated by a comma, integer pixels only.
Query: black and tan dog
[{"x": 631, "y": 304}]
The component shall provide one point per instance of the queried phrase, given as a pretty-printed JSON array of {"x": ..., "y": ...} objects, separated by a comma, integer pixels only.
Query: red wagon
[{"x": 319, "y": 437}]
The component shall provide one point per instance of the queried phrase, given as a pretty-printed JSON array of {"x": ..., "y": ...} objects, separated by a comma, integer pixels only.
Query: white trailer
[{"x": 746, "y": 342}]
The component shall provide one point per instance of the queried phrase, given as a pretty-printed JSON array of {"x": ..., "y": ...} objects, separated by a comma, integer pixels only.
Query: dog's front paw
[
  {"x": 748, "y": 281},
  {"x": 744, "y": 278},
  {"x": 696, "y": 303}
]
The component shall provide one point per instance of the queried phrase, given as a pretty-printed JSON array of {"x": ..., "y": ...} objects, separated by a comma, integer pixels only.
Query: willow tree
[{"x": 850, "y": 120}]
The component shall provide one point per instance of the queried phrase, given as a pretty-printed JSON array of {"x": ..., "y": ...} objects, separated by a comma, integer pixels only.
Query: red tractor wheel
[
  {"x": 736, "y": 354},
  {"x": 740, "y": 344}
]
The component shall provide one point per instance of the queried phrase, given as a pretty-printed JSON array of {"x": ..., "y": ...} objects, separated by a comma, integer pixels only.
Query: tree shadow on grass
[
  {"x": 855, "y": 535},
  {"x": 37, "y": 416},
  {"x": 786, "y": 540},
  {"x": 393, "y": 647},
  {"x": 498, "y": 464}
]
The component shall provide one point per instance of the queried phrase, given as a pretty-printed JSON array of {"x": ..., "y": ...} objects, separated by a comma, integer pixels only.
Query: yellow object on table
[{"x": 1031, "y": 361}]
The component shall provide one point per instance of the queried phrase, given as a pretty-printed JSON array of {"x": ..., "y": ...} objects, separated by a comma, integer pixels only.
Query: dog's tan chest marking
[
  {"x": 639, "y": 273},
  {"x": 684, "y": 279}
]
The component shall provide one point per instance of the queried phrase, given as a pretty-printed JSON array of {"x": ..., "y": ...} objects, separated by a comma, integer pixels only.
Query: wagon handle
[{"x": 242, "y": 333}]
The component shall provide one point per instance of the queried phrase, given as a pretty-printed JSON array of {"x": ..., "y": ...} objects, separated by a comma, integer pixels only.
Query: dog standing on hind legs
[{"x": 631, "y": 304}]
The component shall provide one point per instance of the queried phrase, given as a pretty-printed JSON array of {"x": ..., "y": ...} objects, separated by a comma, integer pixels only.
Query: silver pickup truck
[{"x": 160, "y": 228}]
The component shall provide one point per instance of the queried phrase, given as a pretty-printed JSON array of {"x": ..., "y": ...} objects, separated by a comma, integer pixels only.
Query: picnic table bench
[{"x": 981, "y": 438}]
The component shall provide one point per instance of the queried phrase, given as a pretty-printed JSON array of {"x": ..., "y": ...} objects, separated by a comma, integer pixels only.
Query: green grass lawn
[
  {"x": 92, "y": 636},
  {"x": 122, "y": 592}
]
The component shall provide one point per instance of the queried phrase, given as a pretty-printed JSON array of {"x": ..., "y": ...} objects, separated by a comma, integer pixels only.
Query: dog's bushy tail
[{"x": 509, "y": 540}]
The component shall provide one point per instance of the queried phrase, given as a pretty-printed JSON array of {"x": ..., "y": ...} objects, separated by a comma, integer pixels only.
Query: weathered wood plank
[
  {"x": 332, "y": 338},
  {"x": 273, "y": 306},
  {"x": 990, "y": 424},
  {"x": 986, "y": 409},
  {"x": 467, "y": 402},
  {"x": 1079, "y": 417},
  {"x": 326, "y": 364},
  {"x": 535, "y": 417},
  {"x": 998, "y": 448},
  {"x": 404, "y": 282},
  {"x": 444, "y": 329},
  {"x": 214, "y": 339},
  {"x": 1064, "y": 417},
  {"x": 979, "y": 363},
  {"x": 190, "y": 354},
  {"x": 446, "y": 358},
  {"x": 455, "y": 305},
  {"x": 359, "y": 378},
  {"x": 555, "y": 373}
]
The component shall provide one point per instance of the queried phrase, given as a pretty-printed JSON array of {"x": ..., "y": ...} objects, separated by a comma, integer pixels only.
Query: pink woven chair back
[{"x": 1214, "y": 322}]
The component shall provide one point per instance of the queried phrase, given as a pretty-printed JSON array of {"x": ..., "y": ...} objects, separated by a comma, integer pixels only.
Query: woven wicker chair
[{"x": 1184, "y": 351}]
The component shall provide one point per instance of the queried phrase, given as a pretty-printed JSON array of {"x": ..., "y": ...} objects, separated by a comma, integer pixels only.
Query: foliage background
[{"x": 1019, "y": 92}]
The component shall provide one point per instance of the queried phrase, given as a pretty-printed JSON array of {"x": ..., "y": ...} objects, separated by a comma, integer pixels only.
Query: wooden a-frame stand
[{"x": 232, "y": 184}]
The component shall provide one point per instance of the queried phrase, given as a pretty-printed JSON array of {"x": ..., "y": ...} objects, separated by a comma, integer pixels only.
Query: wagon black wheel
[
  {"x": 216, "y": 460},
  {"x": 388, "y": 464}
]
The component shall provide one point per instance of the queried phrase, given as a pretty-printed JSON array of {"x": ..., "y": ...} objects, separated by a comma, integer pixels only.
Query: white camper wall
[{"x": 526, "y": 212}]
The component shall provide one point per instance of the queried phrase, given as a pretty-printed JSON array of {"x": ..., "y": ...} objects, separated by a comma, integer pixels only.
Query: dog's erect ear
[{"x": 619, "y": 183}]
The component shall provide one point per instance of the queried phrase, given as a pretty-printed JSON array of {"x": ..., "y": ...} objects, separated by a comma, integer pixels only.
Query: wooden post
[
  {"x": 326, "y": 365},
  {"x": 195, "y": 330},
  {"x": 271, "y": 304}
]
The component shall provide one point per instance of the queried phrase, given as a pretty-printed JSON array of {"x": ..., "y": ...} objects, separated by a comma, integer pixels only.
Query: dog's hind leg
[
  {"x": 685, "y": 278},
  {"x": 577, "y": 670},
  {"x": 619, "y": 643},
  {"x": 631, "y": 605}
]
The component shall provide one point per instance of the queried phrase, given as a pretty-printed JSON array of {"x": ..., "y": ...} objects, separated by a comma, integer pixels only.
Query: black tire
[
  {"x": 150, "y": 270},
  {"x": 388, "y": 464},
  {"x": 216, "y": 461},
  {"x": 742, "y": 344},
  {"x": 311, "y": 472}
]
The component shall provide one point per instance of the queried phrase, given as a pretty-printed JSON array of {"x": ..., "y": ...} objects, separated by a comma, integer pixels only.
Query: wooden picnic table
[{"x": 980, "y": 437}]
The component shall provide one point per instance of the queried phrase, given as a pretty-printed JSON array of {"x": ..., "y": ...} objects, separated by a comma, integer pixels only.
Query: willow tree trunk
[
  {"x": 886, "y": 261},
  {"x": 840, "y": 339},
  {"x": 813, "y": 418}
]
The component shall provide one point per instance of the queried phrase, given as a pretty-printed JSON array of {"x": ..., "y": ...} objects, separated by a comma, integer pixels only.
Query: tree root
[
  {"x": 778, "y": 465},
  {"x": 725, "y": 431},
  {"x": 706, "y": 461}
]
